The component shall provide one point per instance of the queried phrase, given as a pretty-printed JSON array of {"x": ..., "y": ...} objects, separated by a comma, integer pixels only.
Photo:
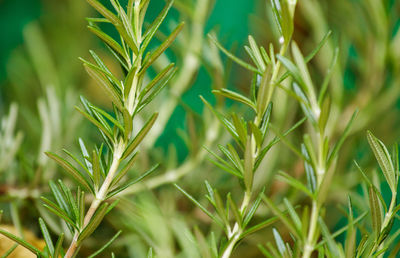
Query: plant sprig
[
  {"x": 249, "y": 136},
  {"x": 100, "y": 172}
]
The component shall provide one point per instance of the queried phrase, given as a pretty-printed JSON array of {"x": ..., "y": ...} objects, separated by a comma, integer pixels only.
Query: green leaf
[
  {"x": 265, "y": 252},
  {"x": 333, "y": 248},
  {"x": 159, "y": 86},
  {"x": 257, "y": 134},
  {"x": 149, "y": 33},
  {"x": 139, "y": 137},
  {"x": 21, "y": 242},
  {"x": 210, "y": 191},
  {"x": 325, "y": 112},
  {"x": 58, "y": 249},
  {"x": 231, "y": 56},
  {"x": 130, "y": 77},
  {"x": 232, "y": 155},
  {"x": 311, "y": 153},
  {"x": 265, "y": 56},
  {"x": 383, "y": 157},
  {"x": 107, "y": 40},
  {"x": 235, "y": 96},
  {"x": 343, "y": 137},
  {"x": 328, "y": 76},
  {"x": 104, "y": 11},
  {"x": 9, "y": 251},
  {"x": 274, "y": 141},
  {"x": 96, "y": 169},
  {"x": 265, "y": 120},
  {"x": 160, "y": 79},
  {"x": 235, "y": 210},
  {"x": 248, "y": 165},
  {"x": 254, "y": 58},
  {"x": 128, "y": 123},
  {"x": 386, "y": 230},
  {"x": 167, "y": 42},
  {"x": 106, "y": 245},
  {"x": 369, "y": 183},
  {"x": 46, "y": 236},
  {"x": 124, "y": 170},
  {"x": 281, "y": 216},
  {"x": 218, "y": 221},
  {"x": 295, "y": 183},
  {"x": 128, "y": 33},
  {"x": 225, "y": 122},
  {"x": 132, "y": 182},
  {"x": 219, "y": 207},
  {"x": 310, "y": 171},
  {"x": 109, "y": 117},
  {"x": 70, "y": 200},
  {"x": 60, "y": 197},
  {"x": 62, "y": 203},
  {"x": 289, "y": 144},
  {"x": 283, "y": 13},
  {"x": 293, "y": 214},
  {"x": 305, "y": 75},
  {"x": 257, "y": 54},
  {"x": 59, "y": 212},
  {"x": 224, "y": 165},
  {"x": 105, "y": 84},
  {"x": 260, "y": 226},
  {"x": 85, "y": 155},
  {"x": 241, "y": 128},
  {"x": 103, "y": 69},
  {"x": 279, "y": 242},
  {"x": 277, "y": 11},
  {"x": 292, "y": 69},
  {"x": 104, "y": 129},
  {"x": 92, "y": 20},
  {"x": 376, "y": 212},
  {"x": 150, "y": 253},
  {"x": 75, "y": 173},
  {"x": 94, "y": 222},
  {"x": 318, "y": 47},
  {"x": 305, "y": 104},
  {"x": 253, "y": 208},
  {"x": 78, "y": 162},
  {"x": 80, "y": 200},
  {"x": 343, "y": 229}
]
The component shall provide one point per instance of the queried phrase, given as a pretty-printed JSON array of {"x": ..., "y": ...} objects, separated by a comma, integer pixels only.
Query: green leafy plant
[
  {"x": 288, "y": 137},
  {"x": 100, "y": 172}
]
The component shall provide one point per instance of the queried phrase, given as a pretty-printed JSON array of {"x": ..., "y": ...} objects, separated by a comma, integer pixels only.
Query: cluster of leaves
[
  {"x": 249, "y": 138},
  {"x": 250, "y": 146},
  {"x": 101, "y": 172}
]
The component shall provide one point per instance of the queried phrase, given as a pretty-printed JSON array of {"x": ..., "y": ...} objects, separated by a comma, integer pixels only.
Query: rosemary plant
[
  {"x": 296, "y": 114},
  {"x": 249, "y": 136},
  {"x": 102, "y": 170}
]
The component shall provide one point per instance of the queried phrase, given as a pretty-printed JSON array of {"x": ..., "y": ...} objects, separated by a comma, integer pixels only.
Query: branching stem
[{"x": 100, "y": 197}]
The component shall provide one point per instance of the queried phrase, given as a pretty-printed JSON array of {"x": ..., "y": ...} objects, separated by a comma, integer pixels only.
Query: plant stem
[
  {"x": 234, "y": 235},
  {"x": 100, "y": 196},
  {"x": 309, "y": 245},
  {"x": 275, "y": 73}
]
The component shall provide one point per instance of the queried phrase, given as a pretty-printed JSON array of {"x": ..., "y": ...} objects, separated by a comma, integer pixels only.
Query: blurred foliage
[{"x": 41, "y": 79}]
